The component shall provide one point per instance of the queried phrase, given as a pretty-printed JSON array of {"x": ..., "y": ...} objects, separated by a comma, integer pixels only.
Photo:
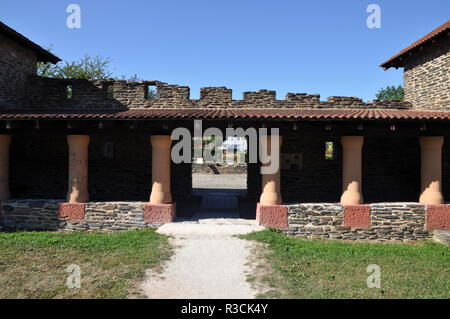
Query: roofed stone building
[{"x": 99, "y": 157}]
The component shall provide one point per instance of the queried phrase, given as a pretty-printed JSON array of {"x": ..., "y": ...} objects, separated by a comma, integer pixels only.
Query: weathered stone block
[
  {"x": 357, "y": 216},
  {"x": 159, "y": 213},
  {"x": 438, "y": 217},
  {"x": 71, "y": 211}
]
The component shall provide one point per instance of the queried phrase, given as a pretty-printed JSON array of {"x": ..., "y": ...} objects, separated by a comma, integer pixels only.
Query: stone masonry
[
  {"x": 33, "y": 214},
  {"x": 388, "y": 222},
  {"x": 17, "y": 65},
  {"x": 93, "y": 94},
  {"x": 45, "y": 215},
  {"x": 427, "y": 79}
]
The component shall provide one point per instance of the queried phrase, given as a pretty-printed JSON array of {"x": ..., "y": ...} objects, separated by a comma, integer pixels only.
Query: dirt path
[{"x": 208, "y": 261}]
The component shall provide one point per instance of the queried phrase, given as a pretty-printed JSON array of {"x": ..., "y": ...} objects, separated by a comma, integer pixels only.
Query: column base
[
  {"x": 357, "y": 216},
  {"x": 71, "y": 211},
  {"x": 431, "y": 198},
  {"x": 351, "y": 198},
  {"x": 438, "y": 217},
  {"x": 271, "y": 215},
  {"x": 159, "y": 213}
]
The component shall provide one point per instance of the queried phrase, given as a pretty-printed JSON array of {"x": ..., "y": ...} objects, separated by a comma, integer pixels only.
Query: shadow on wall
[{"x": 391, "y": 169}]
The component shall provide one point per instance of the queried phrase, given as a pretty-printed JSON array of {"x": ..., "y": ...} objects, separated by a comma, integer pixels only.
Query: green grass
[
  {"x": 33, "y": 264},
  {"x": 337, "y": 269}
]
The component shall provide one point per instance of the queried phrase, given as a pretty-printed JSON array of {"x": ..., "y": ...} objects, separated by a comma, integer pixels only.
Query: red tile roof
[
  {"x": 395, "y": 60},
  {"x": 306, "y": 114},
  {"x": 42, "y": 54}
]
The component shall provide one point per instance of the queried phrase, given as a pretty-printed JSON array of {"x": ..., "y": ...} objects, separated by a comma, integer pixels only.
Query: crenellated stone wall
[
  {"x": 48, "y": 93},
  {"x": 388, "y": 222}
]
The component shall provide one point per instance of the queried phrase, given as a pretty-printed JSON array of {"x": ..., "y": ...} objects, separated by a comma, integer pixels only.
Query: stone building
[{"x": 99, "y": 157}]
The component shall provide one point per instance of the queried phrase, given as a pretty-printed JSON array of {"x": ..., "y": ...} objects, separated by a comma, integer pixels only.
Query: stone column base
[
  {"x": 271, "y": 215},
  {"x": 438, "y": 217},
  {"x": 71, "y": 211},
  {"x": 357, "y": 216},
  {"x": 159, "y": 213}
]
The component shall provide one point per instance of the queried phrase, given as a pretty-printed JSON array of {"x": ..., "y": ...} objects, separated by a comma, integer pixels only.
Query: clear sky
[{"x": 317, "y": 46}]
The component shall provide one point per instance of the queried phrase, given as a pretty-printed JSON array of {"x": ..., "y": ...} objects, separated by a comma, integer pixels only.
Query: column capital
[
  {"x": 5, "y": 139},
  {"x": 352, "y": 141},
  {"x": 161, "y": 141},
  {"x": 431, "y": 141},
  {"x": 78, "y": 140}
]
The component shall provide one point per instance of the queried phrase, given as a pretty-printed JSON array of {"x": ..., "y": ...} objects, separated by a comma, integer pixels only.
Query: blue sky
[{"x": 317, "y": 46}]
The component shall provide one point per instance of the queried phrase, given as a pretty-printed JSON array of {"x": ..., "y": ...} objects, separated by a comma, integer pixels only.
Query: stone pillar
[
  {"x": 5, "y": 141},
  {"x": 271, "y": 193},
  {"x": 351, "y": 170},
  {"x": 160, "y": 169},
  {"x": 431, "y": 170},
  {"x": 78, "y": 168}
]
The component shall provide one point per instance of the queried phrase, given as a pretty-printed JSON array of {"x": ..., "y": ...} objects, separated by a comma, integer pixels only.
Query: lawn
[
  {"x": 33, "y": 264},
  {"x": 335, "y": 269}
]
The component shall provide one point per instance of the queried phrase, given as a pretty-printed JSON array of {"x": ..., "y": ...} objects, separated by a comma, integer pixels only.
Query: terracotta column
[
  {"x": 78, "y": 168},
  {"x": 271, "y": 194},
  {"x": 160, "y": 169},
  {"x": 431, "y": 174},
  {"x": 351, "y": 170},
  {"x": 5, "y": 141}
]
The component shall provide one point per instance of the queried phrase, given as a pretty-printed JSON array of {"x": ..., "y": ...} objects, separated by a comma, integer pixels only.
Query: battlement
[{"x": 48, "y": 93}]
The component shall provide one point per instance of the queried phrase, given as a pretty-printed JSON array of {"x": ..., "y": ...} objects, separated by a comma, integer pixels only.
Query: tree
[
  {"x": 86, "y": 68},
  {"x": 391, "y": 93},
  {"x": 92, "y": 68}
]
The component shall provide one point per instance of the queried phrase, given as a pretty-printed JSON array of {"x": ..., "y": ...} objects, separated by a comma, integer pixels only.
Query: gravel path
[
  {"x": 208, "y": 261},
  {"x": 221, "y": 181}
]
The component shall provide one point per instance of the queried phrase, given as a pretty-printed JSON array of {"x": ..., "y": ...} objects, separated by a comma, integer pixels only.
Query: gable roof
[
  {"x": 42, "y": 54},
  {"x": 396, "y": 60}
]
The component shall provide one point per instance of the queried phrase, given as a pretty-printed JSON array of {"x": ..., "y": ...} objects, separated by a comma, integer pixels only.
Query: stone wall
[
  {"x": 427, "y": 78},
  {"x": 391, "y": 169},
  {"x": 45, "y": 215},
  {"x": 37, "y": 214},
  {"x": 388, "y": 222},
  {"x": 38, "y": 165},
  {"x": 47, "y": 93},
  {"x": 109, "y": 216},
  {"x": 17, "y": 66},
  {"x": 319, "y": 179},
  {"x": 218, "y": 169}
]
